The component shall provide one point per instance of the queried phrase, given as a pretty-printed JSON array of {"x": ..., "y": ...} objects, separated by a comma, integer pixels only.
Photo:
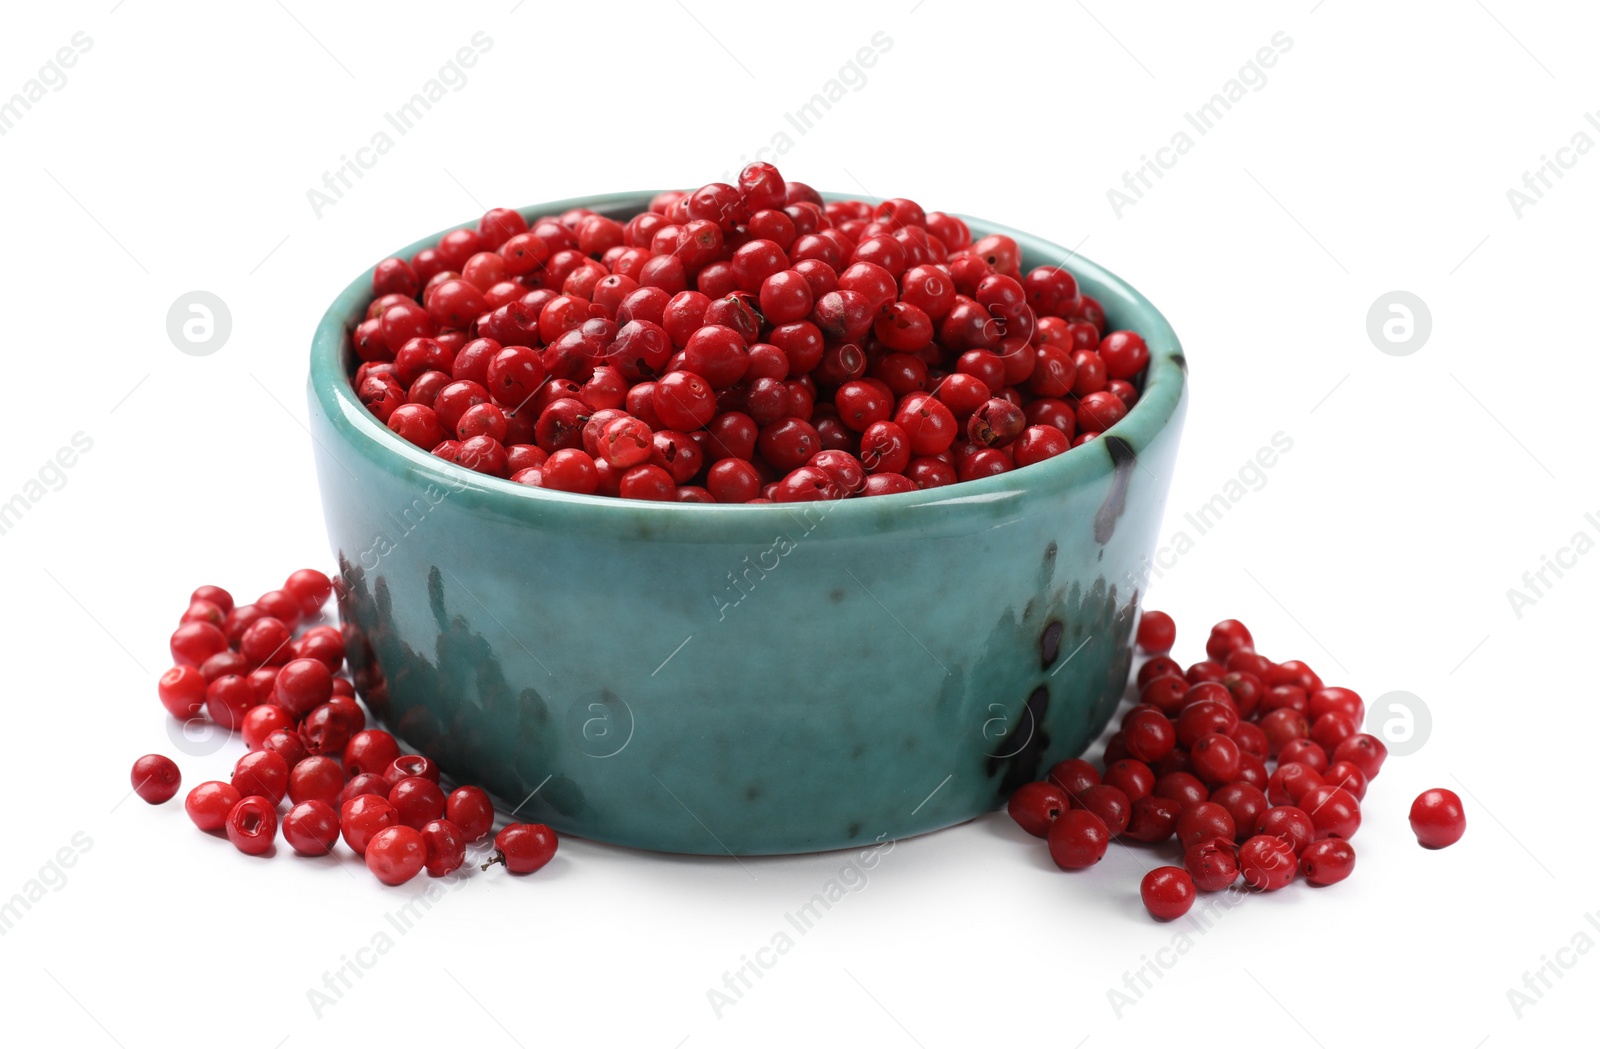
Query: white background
[{"x": 1376, "y": 157}]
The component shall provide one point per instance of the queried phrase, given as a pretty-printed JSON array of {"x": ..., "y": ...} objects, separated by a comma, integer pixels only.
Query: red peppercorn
[
  {"x": 1111, "y": 804},
  {"x": 209, "y": 803},
  {"x": 1214, "y": 757},
  {"x": 182, "y": 691},
  {"x": 311, "y": 588},
  {"x": 1306, "y": 752},
  {"x": 1330, "y": 730},
  {"x": 1038, "y": 443},
  {"x": 417, "y": 801},
  {"x": 1074, "y": 776},
  {"x": 311, "y": 828},
  {"x": 1334, "y": 811},
  {"x": 1227, "y": 637},
  {"x": 1152, "y": 819},
  {"x": 1347, "y": 775},
  {"x": 1284, "y": 726},
  {"x": 266, "y": 642},
  {"x": 1132, "y": 777},
  {"x": 1294, "y": 672},
  {"x": 1157, "y": 632},
  {"x": 1329, "y": 700},
  {"x": 1437, "y": 818},
  {"x": 1167, "y": 892},
  {"x": 346, "y": 709},
  {"x": 1252, "y": 741},
  {"x": 1213, "y": 864},
  {"x": 1289, "y": 823},
  {"x": 252, "y": 824},
  {"x": 1252, "y": 770},
  {"x": 303, "y": 685},
  {"x": 214, "y": 594},
  {"x": 1290, "y": 782},
  {"x": 1204, "y": 821},
  {"x": 396, "y": 854},
  {"x": 471, "y": 811},
  {"x": 1182, "y": 787},
  {"x": 362, "y": 817},
  {"x": 1245, "y": 803},
  {"x": 260, "y": 721},
  {"x": 1078, "y": 839},
  {"x": 407, "y": 765},
  {"x": 524, "y": 847},
  {"x": 193, "y": 643},
  {"x": 1159, "y": 667},
  {"x": 371, "y": 750},
  {"x": 1267, "y": 863},
  {"x": 326, "y": 730},
  {"x": 1204, "y": 717},
  {"x": 1245, "y": 689},
  {"x": 364, "y": 783},
  {"x": 262, "y": 772},
  {"x": 1124, "y": 353},
  {"x": 1034, "y": 806},
  {"x": 1365, "y": 752},
  {"x": 444, "y": 847},
  {"x": 1328, "y": 861},
  {"x": 155, "y": 778},
  {"x": 1149, "y": 735},
  {"x": 287, "y": 744},
  {"x": 315, "y": 778}
]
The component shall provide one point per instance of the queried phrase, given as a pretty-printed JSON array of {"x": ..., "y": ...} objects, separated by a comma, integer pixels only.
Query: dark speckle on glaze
[
  {"x": 1181, "y": 361},
  {"x": 1049, "y": 644},
  {"x": 752, "y": 792},
  {"x": 1122, "y": 458},
  {"x": 853, "y": 831},
  {"x": 1023, "y": 764},
  {"x": 858, "y": 752},
  {"x": 836, "y": 595}
]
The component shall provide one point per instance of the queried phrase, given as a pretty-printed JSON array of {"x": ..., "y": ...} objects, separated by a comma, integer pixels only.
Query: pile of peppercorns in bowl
[
  {"x": 241, "y": 668},
  {"x": 738, "y": 344},
  {"x": 1256, "y": 768}
]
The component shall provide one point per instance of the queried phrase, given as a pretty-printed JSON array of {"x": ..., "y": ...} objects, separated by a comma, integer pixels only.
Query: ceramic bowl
[{"x": 745, "y": 679}]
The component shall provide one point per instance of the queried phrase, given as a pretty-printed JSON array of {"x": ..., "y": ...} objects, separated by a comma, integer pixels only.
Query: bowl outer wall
[{"x": 747, "y": 680}]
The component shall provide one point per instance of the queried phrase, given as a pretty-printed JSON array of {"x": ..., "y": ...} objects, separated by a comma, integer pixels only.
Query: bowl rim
[{"x": 332, "y": 395}]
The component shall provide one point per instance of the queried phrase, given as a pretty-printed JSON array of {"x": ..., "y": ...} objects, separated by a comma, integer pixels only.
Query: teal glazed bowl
[{"x": 745, "y": 679}]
